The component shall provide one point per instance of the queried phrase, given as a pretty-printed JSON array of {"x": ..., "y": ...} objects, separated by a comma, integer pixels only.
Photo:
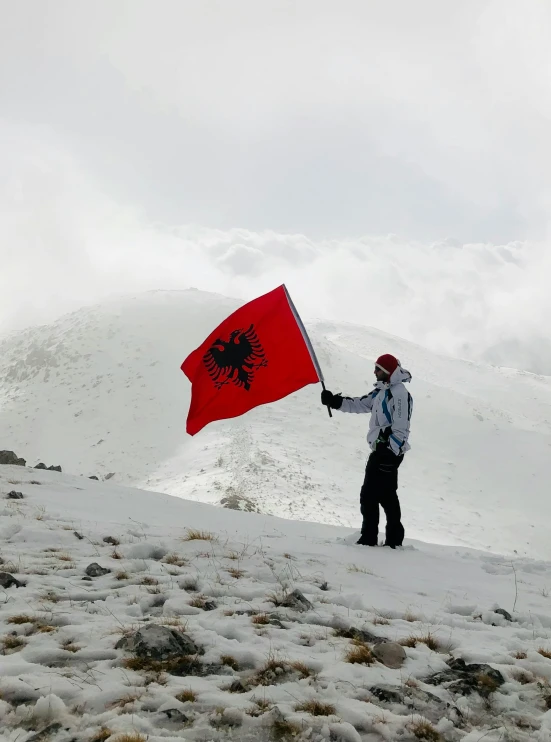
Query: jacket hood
[{"x": 400, "y": 375}]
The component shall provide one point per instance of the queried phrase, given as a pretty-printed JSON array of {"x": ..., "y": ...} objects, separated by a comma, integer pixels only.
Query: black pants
[{"x": 380, "y": 487}]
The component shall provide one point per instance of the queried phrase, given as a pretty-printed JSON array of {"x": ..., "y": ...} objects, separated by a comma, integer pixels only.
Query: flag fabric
[{"x": 259, "y": 354}]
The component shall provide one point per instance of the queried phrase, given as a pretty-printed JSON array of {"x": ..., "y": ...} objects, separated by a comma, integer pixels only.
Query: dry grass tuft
[
  {"x": 127, "y": 700},
  {"x": 229, "y": 661},
  {"x": 316, "y": 708},
  {"x": 234, "y": 572},
  {"x": 20, "y": 619},
  {"x": 129, "y": 738},
  {"x": 284, "y": 731},
  {"x": 427, "y": 639},
  {"x": 115, "y": 554},
  {"x": 121, "y": 575},
  {"x": 359, "y": 654},
  {"x": 149, "y": 581},
  {"x": 272, "y": 671},
  {"x": 175, "y": 560},
  {"x": 545, "y": 653},
  {"x": 180, "y": 666},
  {"x": 186, "y": 696},
  {"x": 261, "y": 619},
  {"x": 411, "y": 617},
  {"x": 190, "y": 585},
  {"x": 68, "y": 646},
  {"x": 200, "y": 601},
  {"x": 103, "y": 734},
  {"x": 44, "y": 628},
  {"x": 520, "y": 655},
  {"x": 64, "y": 557},
  {"x": 12, "y": 643},
  {"x": 50, "y": 597},
  {"x": 423, "y": 730},
  {"x": 195, "y": 535},
  {"x": 522, "y": 677},
  {"x": 486, "y": 684},
  {"x": 380, "y": 621},
  {"x": 303, "y": 669}
]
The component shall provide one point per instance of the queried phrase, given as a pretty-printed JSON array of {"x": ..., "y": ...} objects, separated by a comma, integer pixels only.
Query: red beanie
[{"x": 387, "y": 363}]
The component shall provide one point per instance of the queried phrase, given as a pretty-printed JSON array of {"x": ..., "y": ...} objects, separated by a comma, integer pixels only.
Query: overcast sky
[{"x": 135, "y": 135}]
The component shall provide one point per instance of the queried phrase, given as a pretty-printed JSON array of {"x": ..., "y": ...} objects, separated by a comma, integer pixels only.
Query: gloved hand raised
[{"x": 328, "y": 399}]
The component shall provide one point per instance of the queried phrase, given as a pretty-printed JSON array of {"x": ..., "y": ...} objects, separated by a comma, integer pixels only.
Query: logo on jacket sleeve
[{"x": 237, "y": 360}]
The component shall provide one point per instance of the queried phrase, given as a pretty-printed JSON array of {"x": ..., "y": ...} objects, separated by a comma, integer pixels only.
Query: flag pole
[{"x": 308, "y": 343}]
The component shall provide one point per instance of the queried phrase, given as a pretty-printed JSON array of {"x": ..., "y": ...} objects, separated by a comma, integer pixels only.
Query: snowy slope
[
  {"x": 100, "y": 391},
  {"x": 61, "y": 670}
]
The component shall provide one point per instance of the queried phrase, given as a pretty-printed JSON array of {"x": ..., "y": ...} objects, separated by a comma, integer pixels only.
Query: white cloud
[{"x": 65, "y": 244}]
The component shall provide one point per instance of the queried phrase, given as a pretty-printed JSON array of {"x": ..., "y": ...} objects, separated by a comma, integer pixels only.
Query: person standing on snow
[{"x": 391, "y": 406}]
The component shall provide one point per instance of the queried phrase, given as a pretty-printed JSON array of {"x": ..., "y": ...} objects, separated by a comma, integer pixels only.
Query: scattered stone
[
  {"x": 94, "y": 477},
  {"x": 87, "y": 579},
  {"x": 47, "y": 468},
  {"x": 391, "y": 654},
  {"x": 235, "y": 501},
  {"x": 324, "y": 586},
  {"x": 10, "y": 459},
  {"x": 78, "y": 535},
  {"x": 13, "y": 495},
  {"x": 209, "y": 605},
  {"x": 176, "y": 716},
  {"x": 110, "y": 475},
  {"x": 275, "y": 620},
  {"x": 297, "y": 602},
  {"x": 111, "y": 540},
  {"x": 361, "y": 635},
  {"x": 464, "y": 679},
  {"x": 45, "y": 733},
  {"x": 7, "y": 580},
  {"x": 387, "y": 695},
  {"x": 94, "y": 570},
  {"x": 502, "y": 612},
  {"x": 158, "y": 643},
  {"x": 237, "y": 687}
]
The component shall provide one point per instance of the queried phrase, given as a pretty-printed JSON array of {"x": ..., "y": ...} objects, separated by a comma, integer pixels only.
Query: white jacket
[{"x": 391, "y": 406}]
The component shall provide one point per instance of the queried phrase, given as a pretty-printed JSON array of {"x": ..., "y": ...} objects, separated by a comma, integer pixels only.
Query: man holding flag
[
  {"x": 390, "y": 405},
  {"x": 262, "y": 353}
]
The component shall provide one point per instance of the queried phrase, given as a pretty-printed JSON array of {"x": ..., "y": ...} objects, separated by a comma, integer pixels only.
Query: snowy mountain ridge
[{"x": 100, "y": 391}]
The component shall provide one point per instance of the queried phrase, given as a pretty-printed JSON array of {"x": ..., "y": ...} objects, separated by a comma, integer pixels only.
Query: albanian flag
[{"x": 259, "y": 354}]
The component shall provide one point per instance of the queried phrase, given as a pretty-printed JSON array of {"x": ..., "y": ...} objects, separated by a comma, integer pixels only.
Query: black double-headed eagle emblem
[{"x": 236, "y": 360}]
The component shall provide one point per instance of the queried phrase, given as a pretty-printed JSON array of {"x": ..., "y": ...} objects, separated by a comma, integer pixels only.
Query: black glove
[{"x": 328, "y": 399}]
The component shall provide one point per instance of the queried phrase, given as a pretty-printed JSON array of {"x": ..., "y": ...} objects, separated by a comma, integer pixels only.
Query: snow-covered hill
[
  {"x": 247, "y": 658},
  {"x": 100, "y": 392}
]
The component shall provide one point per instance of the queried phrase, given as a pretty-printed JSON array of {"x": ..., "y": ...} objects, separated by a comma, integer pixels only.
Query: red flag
[{"x": 259, "y": 354}]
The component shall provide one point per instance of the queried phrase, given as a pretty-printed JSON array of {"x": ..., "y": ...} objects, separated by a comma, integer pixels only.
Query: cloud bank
[{"x": 65, "y": 244}]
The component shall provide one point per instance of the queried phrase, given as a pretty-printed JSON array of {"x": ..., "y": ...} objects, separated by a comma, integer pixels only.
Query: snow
[
  {"x": 101, "y": 393},
  {"x": 64, "y": 667}
]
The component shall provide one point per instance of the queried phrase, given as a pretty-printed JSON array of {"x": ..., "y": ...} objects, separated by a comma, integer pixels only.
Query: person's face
[{"x": 380, "y": 374}]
